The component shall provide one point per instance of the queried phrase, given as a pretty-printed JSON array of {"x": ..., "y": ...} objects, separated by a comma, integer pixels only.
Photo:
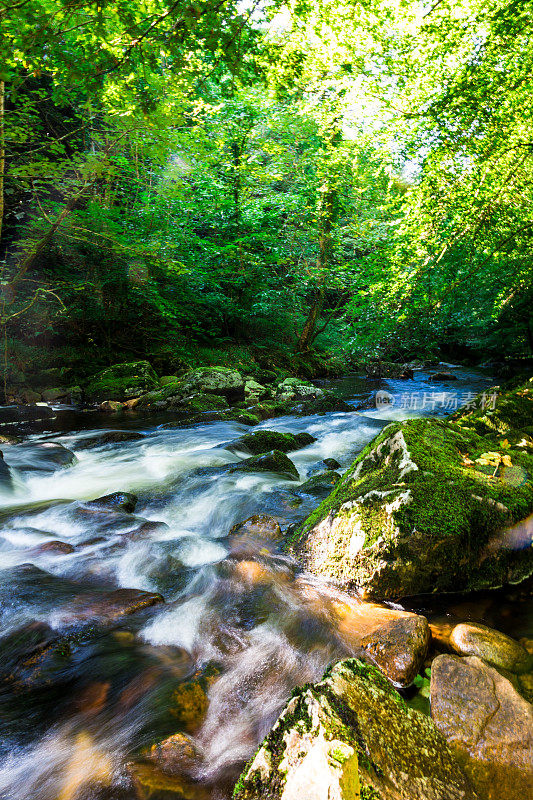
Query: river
[{"x": 243, "y": 630}]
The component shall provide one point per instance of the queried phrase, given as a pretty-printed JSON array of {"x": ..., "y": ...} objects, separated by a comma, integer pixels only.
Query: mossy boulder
[
  {"x": 213, "y": 380},
  {"x": 275, "y": 461},
  {"x": 121, "y": 382},
  {"x": 263, "y": 441},
  {"x": 351, "y": 736},
  {"x": 322, "y": 483},
  {"x": 428, "y": 506},
  {"x": 293, "y": 388}
]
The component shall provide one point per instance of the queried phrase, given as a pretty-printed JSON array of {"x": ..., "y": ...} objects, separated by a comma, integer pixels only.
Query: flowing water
[{"x": 85, "y": 691}]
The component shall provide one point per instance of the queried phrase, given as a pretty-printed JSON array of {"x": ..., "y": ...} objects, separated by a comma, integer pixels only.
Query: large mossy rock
[
  {"x": 121, "y": 382},
  {"x": 351, "y": 736},
  {"x": 263, "y": 441},
  {"x": 424, "y": 509},
  {"x": 213, "y": 380},
  {"x": 275, "y": 461}
]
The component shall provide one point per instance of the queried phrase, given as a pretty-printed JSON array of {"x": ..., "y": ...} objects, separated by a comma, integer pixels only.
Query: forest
[
  {"x": 211, "y": 182},
  {"x": 266, "y": 400}
]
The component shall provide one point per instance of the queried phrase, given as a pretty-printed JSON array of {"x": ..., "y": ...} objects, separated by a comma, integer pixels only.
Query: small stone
[
  {"x": 474, "y": 639},
  {"x": 442, "y": 376},
  {"x": 56, "y": 546}
]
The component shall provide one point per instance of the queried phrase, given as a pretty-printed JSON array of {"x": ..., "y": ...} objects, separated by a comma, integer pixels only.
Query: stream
[{"x": 238, "y": 628}]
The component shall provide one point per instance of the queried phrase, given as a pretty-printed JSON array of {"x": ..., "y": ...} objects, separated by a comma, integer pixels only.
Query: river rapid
[{"x": 242, "y": 629}]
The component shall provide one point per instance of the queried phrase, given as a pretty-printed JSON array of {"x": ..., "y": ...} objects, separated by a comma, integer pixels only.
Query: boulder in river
[
  {"x": 189, "y": 702},
  {"x": 121, "y": 382},
  {"x": 39, "y": 456},
  {"x": 488, "y": 725},
  {"x": 275, "y": 462},
  {"x": 474, "y": 639},
  {"x": 420, "y": 511},
  {"x": 331, "y": 463},
  {"x": 177, "y": 755},
  {"x": 262, "y": 441},
  {"x": 320, "y": 484},
  {"x": 395, "y": 641},
  {"x": 442, "y": 376},
  {"x": 351, "y": 736},
  {"x": 117, "y": 501}
]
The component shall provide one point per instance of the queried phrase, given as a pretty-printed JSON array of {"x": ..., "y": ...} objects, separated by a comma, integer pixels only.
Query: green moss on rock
[
  {"x": 352, "y": 734},
  {"x": 275, "y": 461},
  {"x": 263, "y": 441},
  {"x": 418, "y": 513},
  {"x": 121, "y": 382}
]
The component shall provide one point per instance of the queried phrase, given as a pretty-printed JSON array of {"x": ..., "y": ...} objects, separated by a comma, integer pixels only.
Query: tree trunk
[{"x": 325, "y": 247}]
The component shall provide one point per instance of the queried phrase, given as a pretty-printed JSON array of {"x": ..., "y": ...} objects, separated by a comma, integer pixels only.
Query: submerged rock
[
  {"x": 419, "y": 511},
  {"x": 275, "y": 461},
  {"x": 248, "y": 538},
  {"x": 473, "y": 639},
  {"x": 264, "y": 441},
  {"x": 177, "y": 755},
  {"x": 442, "y": 376},
  {"x": 108, "y": 437},
  {"x": 487, "y": 724},
  {"x": 352, "y": 736},
  {"x": 189, "y": 702},
  {"x": 121, "y": 382}
]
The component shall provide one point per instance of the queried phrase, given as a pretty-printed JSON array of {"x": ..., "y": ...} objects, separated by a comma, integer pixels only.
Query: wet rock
[
  {"x": 396, "y": 642},
  {"x": 107, "y": 607},
  {"x": 331, "y": 463},
  {"x": 442, "y": 376},
  {"x": 487, "y": 724},
  {"x": 55, "y": 547},
  {"x": 177, "y": 755},
  {"x": 108, "y": 437},
  {"x": 326, "y": 403},
  {"x": 55, "y": 395},
  {"x": 248, "y": 538},
  {"x": 416, "y": 513},
  {"x": 320, "y": 484},
  {"x": 474, "y": 639},
  {"x": 264, "y": 441},
  {"x": 39, "y": 457},
  {"x": 189, "y": 701},
  {"x": 6, "y": 478},
  {"x": 117, "y": 501},
  {"x": 23, "y": 644},
  {"x": 121, "y": 381},
  {"x": 275, "y": 462},
  {"x": 28, "y": 395},
  {"x": 352, "y": 736},
  {"x": 151, "y": 782}
]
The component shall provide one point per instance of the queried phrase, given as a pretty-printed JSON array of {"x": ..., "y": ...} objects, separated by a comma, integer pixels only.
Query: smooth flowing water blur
[{"x": 76, "y": 719}]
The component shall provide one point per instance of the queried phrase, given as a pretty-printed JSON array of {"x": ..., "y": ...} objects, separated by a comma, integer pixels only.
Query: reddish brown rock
[
  {"x": 177, "y": 755},
  {"x": 395, "y": 641},
  {"x": 55, "y": 547},
  {"x": 488, "y": 725},
  {"x": 109, "y": 606}
]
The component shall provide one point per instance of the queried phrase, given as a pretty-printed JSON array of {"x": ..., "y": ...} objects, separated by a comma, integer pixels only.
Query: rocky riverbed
[{"x": 170, "y": 575}]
